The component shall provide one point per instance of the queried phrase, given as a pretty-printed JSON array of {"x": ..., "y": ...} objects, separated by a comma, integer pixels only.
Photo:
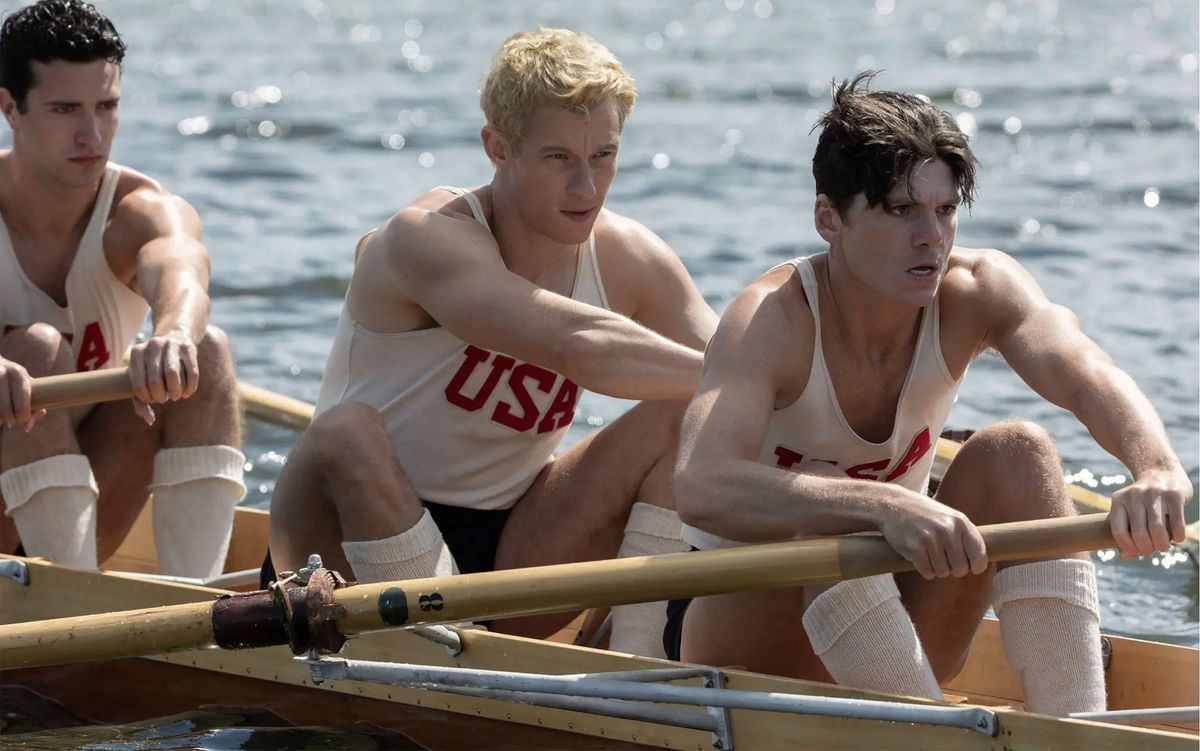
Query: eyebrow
[
  {"x": 554, "y": 148},
  {"x": 66, "y": 102}
]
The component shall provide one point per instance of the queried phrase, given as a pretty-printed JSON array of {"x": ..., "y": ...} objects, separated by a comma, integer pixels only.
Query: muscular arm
[
  {"x": 721, "y": 486},
  {"x": 1044, "y": 344},
  {"x": 453, "y": 270},
  {"x": 646, "y": 280},
  {"x": 171, "y": 273}
]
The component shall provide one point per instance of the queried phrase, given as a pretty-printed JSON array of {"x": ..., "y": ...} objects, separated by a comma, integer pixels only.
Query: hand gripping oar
[{"x": 307, "y": 616}]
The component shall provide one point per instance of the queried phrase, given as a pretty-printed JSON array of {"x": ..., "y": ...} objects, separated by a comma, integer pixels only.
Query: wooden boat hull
[{"x": 1141, "y": 674}]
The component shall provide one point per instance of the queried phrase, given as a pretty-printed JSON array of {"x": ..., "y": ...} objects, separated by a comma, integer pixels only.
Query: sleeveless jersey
[
  {"x": 470, "y": 427},
  {"x": 811, "y": 435},
  {"x": 102, "y": 315}
]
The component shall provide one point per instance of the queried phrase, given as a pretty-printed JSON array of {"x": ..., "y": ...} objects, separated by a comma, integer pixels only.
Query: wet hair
[
  {"x": 556, "y": 66},
  {"x": 48, "y": 30},
  {"x": 871, "y": 140}
]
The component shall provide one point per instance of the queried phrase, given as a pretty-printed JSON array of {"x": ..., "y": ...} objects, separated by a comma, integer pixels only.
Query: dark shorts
[
  {"x": 473, "y": 535},
  {"x": 673, "y": 631}
]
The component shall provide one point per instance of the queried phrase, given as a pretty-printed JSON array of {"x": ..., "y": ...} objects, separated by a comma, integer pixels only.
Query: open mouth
[{"x": 923, "y": 270}]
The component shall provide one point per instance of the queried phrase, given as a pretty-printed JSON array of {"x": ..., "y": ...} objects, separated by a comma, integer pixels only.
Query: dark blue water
[{"x": 294, "y": 127}]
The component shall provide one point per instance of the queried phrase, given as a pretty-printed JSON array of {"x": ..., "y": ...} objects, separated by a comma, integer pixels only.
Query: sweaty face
[
  {"x": 70, "y": 120},
  {"x": 562, "y": 169},
  {"x": 901, "y": 247}
]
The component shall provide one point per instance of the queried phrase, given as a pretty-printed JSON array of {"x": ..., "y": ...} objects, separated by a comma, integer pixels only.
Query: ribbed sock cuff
[
  {"x": 413, "y": 542},
  {"x": 174, "y": 466},
  {"x": 842, "y": 605},
  {"x": 19, "y": 484},
  {"x": 1068, "y": 579}
]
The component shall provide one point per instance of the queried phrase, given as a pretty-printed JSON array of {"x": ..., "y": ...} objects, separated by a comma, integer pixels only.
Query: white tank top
[
  {"x": 470, "y": 427},
  {"x": 102, "y": 315},
  {"x": 811, "y": 435}
]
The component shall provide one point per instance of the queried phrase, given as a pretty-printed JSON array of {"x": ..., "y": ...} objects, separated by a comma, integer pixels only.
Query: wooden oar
[
  {"x": 73, "y": 389},
  {"x": 111, "y": 384},
  {"x": 517, "y": 592}
]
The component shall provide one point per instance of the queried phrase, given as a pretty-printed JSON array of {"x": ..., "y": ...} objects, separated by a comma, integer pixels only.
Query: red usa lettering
[
  {"x": 523, "y": 415},
  {"x": 787, "y": 458}
]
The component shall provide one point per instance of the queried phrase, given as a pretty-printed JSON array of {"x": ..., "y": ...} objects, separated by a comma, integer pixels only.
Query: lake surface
[{"x": 294, "y": 127}]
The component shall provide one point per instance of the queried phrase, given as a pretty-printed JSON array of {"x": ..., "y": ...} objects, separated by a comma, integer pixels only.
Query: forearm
[
  {"x": 1124, "y": 422},
  {"x": 179, "y": 304},
  {"x": 615, "y": 356},
  {"x": 749, "y": 501}
]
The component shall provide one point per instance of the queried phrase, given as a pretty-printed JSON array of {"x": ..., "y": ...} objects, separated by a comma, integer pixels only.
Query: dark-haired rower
[
  {"x": 824, "y": 391},
  {"x": 86, "y": 248}
]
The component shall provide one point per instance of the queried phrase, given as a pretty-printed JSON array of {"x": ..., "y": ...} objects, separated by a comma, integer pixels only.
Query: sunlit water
[{"x": 293, "y": 127}]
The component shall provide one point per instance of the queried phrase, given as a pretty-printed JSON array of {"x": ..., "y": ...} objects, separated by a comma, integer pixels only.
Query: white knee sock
[
  {"x": 1050, "y": 624},
  {"x": 53, "y": 503},
  {"x": 416, "y": 553},
  {"x": 866, "y": 639},
  {"x": 196, "y": 489},
  {"x": 638, "y": 629}
]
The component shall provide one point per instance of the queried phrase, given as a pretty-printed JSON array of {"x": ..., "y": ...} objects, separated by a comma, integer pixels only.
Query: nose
[
  {"x": 930, "y": 231},
  {"x": 87, "y": 130},
  {"x": 582, "y": 182}
]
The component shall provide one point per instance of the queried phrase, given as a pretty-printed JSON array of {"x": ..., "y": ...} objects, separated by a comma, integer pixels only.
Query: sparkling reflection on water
[{"x": 293, "y": 127}]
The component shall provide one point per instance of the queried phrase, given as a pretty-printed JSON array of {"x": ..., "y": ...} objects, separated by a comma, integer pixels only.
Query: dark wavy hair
[
  {"x": 70, "y": 30},
  {"x": 871, "y": 140}
]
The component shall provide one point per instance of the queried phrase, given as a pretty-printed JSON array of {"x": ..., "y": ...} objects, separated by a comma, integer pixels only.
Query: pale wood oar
[
  {"x": 517, "y": 592},
  {"x": 111, "y": 384}
]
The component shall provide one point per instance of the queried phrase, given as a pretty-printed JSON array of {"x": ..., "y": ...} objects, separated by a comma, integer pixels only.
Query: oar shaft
[
  {"x": 274, "y": 408},
  {"x": 72, "y": 389},
  {"x": 568, "y": 587},
  {"x": 516, "y": 592},
  {"x": 106, "y": 636}
]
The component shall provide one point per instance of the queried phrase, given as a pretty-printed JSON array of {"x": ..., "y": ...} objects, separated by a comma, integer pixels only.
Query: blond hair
[{"x": 556, "y": 66}]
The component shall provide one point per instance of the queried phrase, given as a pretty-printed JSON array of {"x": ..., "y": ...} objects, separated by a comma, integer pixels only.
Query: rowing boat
[{"x": 1140, "y": 675}]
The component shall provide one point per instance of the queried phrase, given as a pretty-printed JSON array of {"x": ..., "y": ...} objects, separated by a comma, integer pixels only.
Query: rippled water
[{"x": 293, "y": 127}]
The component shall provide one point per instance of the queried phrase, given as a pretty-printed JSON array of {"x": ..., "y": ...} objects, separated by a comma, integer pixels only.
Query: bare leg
[
  {"x": 1005, "y": 472},
  {"x": 43, "y": 352},
  {"x": 212, "y": 415},
  {"x": 341, "y": 482},
  {"x": 49, "y": 483},
  {"x": 577, "y": 508}
]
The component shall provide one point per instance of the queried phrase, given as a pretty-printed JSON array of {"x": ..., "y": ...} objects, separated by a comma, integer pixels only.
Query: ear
[
  {"x": 8, "y": 105},
  {"x": 826, "y": 219},
  {"x": 495, "y": 145}
]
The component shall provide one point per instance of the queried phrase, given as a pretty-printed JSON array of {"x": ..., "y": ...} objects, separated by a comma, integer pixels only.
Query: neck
[
  {"x": 525, "y": 251},
  {"x": 39, "y": 206},
  {"x": 865, "y": 321}
]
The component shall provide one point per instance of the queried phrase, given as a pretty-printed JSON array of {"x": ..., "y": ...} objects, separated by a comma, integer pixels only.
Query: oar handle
[{"x": 72, "y": 389}]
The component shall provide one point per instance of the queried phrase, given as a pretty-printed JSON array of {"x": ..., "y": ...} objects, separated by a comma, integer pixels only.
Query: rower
[
  {"x": 473, "y": 320},
  {"x": 87, "y": 247},
  {"x": 824, "y": 391}
]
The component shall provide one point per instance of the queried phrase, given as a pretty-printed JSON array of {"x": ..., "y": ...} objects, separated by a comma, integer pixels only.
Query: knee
[
  {"x": 214, "y": 349},
  {"x": 343, "y": 435},
  {"x": 1013, "y": 440},
  {"x": 40, "y": 348}
]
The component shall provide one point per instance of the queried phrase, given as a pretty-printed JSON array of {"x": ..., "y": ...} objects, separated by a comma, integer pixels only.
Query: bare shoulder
[
  {"x": 768, "y": 327},
  {"x": 626, "y": 239},
  {"x": 144, "y": 210},
  {"x": 434, "y": 224},
  {"x": 983, "y": 279}
]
